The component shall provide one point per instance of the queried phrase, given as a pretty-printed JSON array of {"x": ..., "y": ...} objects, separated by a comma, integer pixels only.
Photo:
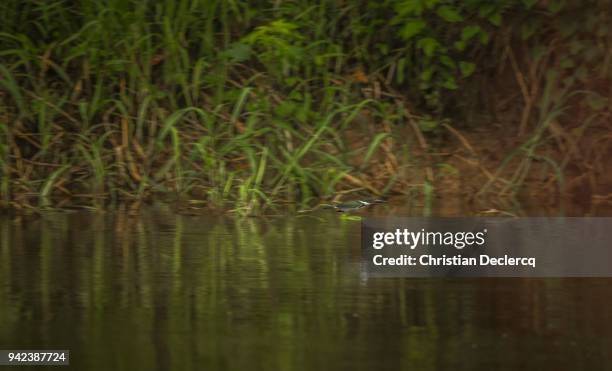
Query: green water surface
[{"x": 161, "y": 291}]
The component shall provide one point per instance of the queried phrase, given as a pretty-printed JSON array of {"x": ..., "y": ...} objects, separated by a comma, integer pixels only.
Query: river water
[{"x": 162, "y": 291}]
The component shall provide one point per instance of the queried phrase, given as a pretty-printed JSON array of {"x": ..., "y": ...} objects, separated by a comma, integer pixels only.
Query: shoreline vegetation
[{"x": 246, "y": 106}]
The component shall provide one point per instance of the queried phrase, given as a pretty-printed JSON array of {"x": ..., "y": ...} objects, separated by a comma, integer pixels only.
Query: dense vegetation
[{"x": 245, "y": 104}]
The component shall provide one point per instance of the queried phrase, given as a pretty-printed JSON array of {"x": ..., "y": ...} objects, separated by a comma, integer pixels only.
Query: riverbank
[{"x": 245, "y": 107}]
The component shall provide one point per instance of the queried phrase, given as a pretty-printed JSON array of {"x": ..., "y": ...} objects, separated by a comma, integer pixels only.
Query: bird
[{"x": 354, "y": 205}]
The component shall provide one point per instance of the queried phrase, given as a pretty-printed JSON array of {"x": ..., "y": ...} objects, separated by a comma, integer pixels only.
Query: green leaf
[
  {"x": 427, "y": 124},
  {"x": 319, "y": 60},
  {"x": 430, "y": 3},
  {"x": 428, "y": 45},
  {"x": 529, "y": 3},
  {"x": 484, "y": 37},
  {"x": 412, "y": 28},
  {"x": 447, "y": 61},
  {"x": 238, "y": 52},
  {"x": 401, "y": 65},
  {"x": 427, "y": 73},
  {"x": 383, "y": 48},
  {"x": 373, "y": 146},
  {"x": 9, "y": 83},
  {"x": 295, "y": 95},
  {"x": 486, "y": 9},
  {"x": 286, "y": 109},
  {"x": 450, "y": 83},
  {"x": 301, "y": 115},
  {"x": 448, "y": 169},
  {"x": 467, "y": 68},
  {"x": 495, "y": 18},
  {"x": 48, "y": 186},
  {"x": 469, "y": 31},
  {"x": 449, "y": 14},
  {"x": 410, "y": 7}
]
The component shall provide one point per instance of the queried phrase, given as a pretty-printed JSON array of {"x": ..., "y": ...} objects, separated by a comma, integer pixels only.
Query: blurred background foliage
[{"x": 250, "y": 103}]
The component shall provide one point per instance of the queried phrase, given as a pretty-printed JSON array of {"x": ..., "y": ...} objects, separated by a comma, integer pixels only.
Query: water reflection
[{"x": 170, "y": 292}]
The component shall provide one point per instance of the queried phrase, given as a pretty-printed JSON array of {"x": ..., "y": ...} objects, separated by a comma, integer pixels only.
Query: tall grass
[
  {"x": 231, "y": 104},
  {"x": 187, "y": 98}
]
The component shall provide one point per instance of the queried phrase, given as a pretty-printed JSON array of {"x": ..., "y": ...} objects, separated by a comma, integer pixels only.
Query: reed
[{"x": 235, "y": 104}]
